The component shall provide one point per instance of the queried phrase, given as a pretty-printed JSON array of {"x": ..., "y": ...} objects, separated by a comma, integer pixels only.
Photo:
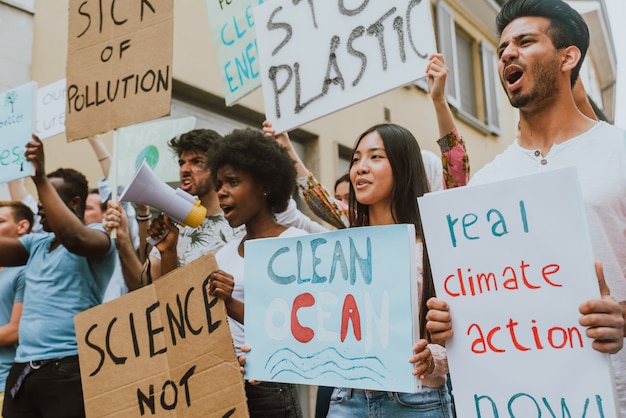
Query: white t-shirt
[
  {"x": 599, "y": 155},
  {"x": 229, "y": 260}
]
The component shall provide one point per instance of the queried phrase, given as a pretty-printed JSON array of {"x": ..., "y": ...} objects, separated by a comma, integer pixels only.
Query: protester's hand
[
  {"x": 221, "y": 284},
  {"x": 242, "y": 363},
  {"x": 35, "y": 155},
  {"x": 438, "y": 320},
  {"x": 115, "y": 219},
  {"x": 423, "y": 359},
  {"x": 603, "y": 318},
  {"x": 282, "y": 139},
  {"x": 437, "y": 74},
  {"x": 161, "y": 228}
]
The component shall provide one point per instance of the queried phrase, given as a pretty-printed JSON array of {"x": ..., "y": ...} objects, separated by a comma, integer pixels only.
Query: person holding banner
[
  {"x": 387, "y": 176},
  {"x": 67, "y": 270},
  {"x": 454, "y": 161},
  {"x": 542, "y": 46},
  {"x": 16, "y": 220},
  {"x": 254, "y": 178}
]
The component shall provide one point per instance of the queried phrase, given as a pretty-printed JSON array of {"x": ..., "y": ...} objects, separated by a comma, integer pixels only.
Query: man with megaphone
[{"x": 183, "y": 244}]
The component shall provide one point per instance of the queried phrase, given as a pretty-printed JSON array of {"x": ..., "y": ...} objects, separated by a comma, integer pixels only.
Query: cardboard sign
[
  {"x": 119, "y": 64},
  {"x": 149, "y": 141},
  {"x": 16, "y": 127},
  {"x": 232, "y": 26},
  {"x": 51, "y": 110},
  {"x": 514, "y": 261},
  {"x": 319, "y": 57},
  {"x": 336, "y": 309},
  {"x": 163, "y": 350}
]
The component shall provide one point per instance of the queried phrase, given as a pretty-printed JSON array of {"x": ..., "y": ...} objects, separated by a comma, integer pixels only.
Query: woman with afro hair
[{"x": 254, "y": 178}]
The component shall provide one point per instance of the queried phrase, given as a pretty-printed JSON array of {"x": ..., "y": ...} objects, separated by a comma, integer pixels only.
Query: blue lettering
[
  {"x": 229, "y": 79},
  {"x": 224, "y": 41},
  {"x": 338, "y": 257},
  {"x": 499, "y": 223},
  {"x": 270, "y": 269},
  {"x": 299, "y": 253},
  {"x": 469, "y": 220},
  {"x": 451, "y": 229},
  {"x": 489, "y": 407},
  {"x": 365, "y": 264},
  {"x": 316, "y": 260},
  {"x": 522, "y": 209}
]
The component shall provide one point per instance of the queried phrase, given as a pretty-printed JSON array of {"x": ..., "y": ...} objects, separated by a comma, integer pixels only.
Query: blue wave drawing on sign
[{"x": 327, "y": 361}]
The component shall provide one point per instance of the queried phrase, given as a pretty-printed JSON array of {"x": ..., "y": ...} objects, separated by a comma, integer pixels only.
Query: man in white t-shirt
[{"x": 542, "y": 46}]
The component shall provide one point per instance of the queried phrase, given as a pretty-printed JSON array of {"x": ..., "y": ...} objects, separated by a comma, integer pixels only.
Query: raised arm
[
  {"x": 132, "y": 268},
  {"x": 19, "y": 192},
  {"x": 454, "y": 158},
  {"x": 319, "y": 200},
  {"x": 61, "y": 217},
  {"x": 102, "y": 154}
]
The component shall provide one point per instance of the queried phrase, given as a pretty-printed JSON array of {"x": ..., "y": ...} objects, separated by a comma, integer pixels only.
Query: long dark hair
[{"x": 409, "y": 183}]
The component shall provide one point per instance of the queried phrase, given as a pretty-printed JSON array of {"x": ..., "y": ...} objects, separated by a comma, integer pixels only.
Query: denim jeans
[
  {"x": 428, "y": 403},
  {"x": 273, "y": 400}
]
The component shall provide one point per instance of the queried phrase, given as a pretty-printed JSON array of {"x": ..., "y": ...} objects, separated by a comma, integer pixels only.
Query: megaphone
[{"x": 146, "y": 188}]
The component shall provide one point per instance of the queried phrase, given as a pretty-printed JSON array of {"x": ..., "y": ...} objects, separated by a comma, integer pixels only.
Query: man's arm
[
  {"x": 132, "y": 268},
  {"x": 8, "y": 332},
  {"x": 68, "y": 228}
]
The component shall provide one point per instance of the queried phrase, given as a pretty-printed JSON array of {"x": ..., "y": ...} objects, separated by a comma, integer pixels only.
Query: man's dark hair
[
  {"x": 567, "y": 26},
  {"x": 74, "y": 184},
  {"x": 248, "y": 149},
  {"x": 194, "y": 140}
]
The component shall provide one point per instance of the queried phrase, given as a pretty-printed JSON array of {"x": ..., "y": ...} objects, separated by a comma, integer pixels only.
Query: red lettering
[
  {"x": 301, "y": 333},
  {"x": 350, "y": 312},
  {"x": 550, "y": 269},
  {"x": 445, "y": 285}
]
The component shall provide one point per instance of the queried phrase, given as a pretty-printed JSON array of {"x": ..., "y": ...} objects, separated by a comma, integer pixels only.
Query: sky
[{"x": 617, "y": 11}]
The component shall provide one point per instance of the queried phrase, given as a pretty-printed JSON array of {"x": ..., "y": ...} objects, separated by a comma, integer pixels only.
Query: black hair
[
  {"x": 250, "y": 150},
  {"x": 567, "y": 27},
  {"x": 74, "y": 184},
  {"x": 195, "y": 140},
  {"x": 409, "y": 183},
  {"x": 20, "y": 212},
  {"x": 345, "y": 177}
]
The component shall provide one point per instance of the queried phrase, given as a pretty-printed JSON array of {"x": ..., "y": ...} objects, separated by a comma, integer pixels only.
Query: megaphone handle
[{"x": 154, "y": 242}]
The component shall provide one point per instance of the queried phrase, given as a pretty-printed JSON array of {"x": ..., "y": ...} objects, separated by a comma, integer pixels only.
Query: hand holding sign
[
  {"x": 603, "y": 318},
  {"x": 439, "y": 320}
]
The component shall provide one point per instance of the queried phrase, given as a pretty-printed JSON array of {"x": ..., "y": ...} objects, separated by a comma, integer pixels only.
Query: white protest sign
[
  {"x": 149, "y": 141},
  {"x": 319, "y": 57},
  {"x": 514, "y": 261},
  {"x": 232, "y": 26},
  {"x": 51, "y": 109},
  {"x": 16, "y": 127},
  {"x": 337, "y": 308}
]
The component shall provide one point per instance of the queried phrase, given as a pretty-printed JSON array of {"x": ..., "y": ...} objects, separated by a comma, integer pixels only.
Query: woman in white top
[
  {"x": 254, "y": 178},
  {"x": 387, "y": 176}
]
